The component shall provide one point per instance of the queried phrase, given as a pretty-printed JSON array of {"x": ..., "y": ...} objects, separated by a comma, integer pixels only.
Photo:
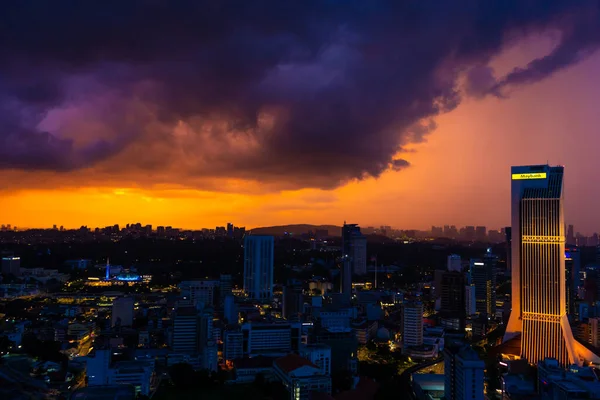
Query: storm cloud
[{"x": 295, "y": 93}]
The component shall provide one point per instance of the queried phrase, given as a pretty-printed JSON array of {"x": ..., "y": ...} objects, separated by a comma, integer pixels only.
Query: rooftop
[
  {"x": 116, "y": 392},
  {"x": 292, "y": 362},
  {"x": 254, "y": 362}
]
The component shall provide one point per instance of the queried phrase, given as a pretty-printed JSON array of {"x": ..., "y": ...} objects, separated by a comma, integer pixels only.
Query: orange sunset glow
[{"x": 457, "y": 173}]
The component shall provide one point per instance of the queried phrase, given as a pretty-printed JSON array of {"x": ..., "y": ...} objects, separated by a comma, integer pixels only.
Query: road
[{"x": 404, "y": 377}]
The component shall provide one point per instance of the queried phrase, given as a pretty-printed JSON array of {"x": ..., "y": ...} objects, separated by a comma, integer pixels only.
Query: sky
[{"x": 198, "y": 113}]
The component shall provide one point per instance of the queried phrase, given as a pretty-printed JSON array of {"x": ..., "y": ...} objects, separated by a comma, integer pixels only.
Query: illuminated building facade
[{"x": 538, "y": 268}]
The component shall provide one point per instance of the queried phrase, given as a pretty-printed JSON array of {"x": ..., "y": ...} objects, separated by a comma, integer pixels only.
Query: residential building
[
  {"x": 412, "y": 324},
  {"x": 463, "y": 373}
]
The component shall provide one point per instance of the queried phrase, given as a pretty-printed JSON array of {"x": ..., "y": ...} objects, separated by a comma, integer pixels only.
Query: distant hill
[{"x": 296, "y": 229}]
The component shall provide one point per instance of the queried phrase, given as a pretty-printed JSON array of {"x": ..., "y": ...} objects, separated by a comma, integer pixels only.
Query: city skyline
[{"x": 254, "y": 147}]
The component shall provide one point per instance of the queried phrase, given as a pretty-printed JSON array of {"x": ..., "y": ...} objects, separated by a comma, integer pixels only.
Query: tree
[
  {"x": 341, "y": 381},
  {"x": 183, "y": 375}
]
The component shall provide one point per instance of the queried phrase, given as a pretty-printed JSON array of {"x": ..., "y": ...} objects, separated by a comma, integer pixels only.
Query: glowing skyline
[{"x": 273, "y": 169}]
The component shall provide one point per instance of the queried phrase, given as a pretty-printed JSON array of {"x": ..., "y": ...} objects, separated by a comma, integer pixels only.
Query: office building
[
  {"x": 267, "y": 339},
  {"x": 470, "y": 300},
  {"x": 481, "y": 233},
  {"x": 538, "y": 268},
  {"x": 453, "y": 301},
  {"x": 300, "y": 377},
  {"x": 122, "y": 311},
  {"x": 200, "y": 293},
  {"x": 571, "y": 236},
  {"x": 572, "y": 279},
  {"x": 101, "y": 371},
  {"x": 454, "y": 263},
  {"x": 230, "y": 310},
  {"x": 483, "y": 276},
  {"x": 412, "y": 324},
  {"x": 293, "y": 301},
  {"x": 508, "y": 240},
  {"x": 225, "y": 287},
  {"x": 233, "y": 345},
  {"x": 346, "y": 279},
  {"x": 11, "y": 265},
  {"x": 354, "y": 246},
  {"x": 463, "y": 373},
  {"x": 185, "y": 330},
  {"x": 258, "y": 267}
]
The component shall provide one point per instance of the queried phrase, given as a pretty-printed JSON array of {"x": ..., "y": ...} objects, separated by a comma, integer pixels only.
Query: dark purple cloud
[{"x": 307, "y": 93}]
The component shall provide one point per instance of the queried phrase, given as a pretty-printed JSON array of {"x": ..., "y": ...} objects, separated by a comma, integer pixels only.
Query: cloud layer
[{"x": 293, "y": 94}]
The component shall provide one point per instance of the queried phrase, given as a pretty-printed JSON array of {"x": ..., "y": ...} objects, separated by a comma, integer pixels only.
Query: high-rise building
[
  {"x": 229, "y": 229},
  {"x": 230, "y": 310},
  {"x": 463, "y": 373},
  {"x": 453, "y": 304},
  {"x": 594, "y": 331},
  {"x": 412, "y": 324},
  {"x": 233, "y": 345},
  {"x": 483, "y": 276},
  {"x": 481, "y": 233},
  {"x": 454, "y": 263},
  {"x": 508, "y": 234},
  {"x": 122, "y": 311},
  {"x": 354, "y": 246},
  {"x": 572, "y": 279},
  {"x": 538, "y": 268},
  {"x": 201, "y": 293},
  {"x": 185, "y": 330},
  {"x": 571, "y": 236},
  {"x": 293, "y": 301},
  {"x": 225, "y": 287},
  {"x": 346, "y": 278},
  {"x": 258, "y": 267},
  {"x": 470, "y": 300}
]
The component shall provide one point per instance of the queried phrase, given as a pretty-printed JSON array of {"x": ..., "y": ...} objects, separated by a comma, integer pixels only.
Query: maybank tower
[{"x": 538, "y": 268}]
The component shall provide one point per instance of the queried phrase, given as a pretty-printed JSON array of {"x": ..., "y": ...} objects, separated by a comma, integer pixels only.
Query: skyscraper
[
  {"x": 293, "y": 300},
  {"x": 354, "y": 246},
  {"x": 483, "y": 276},
  {"x": 508, "y": 235},
  {"x": 122, "y": 311},
  {"x": 572, "y": 278},
  {"x": 538, "y": 268},
  {"x": 453, "y": 304},
  {"x": 258, "y": 267}
]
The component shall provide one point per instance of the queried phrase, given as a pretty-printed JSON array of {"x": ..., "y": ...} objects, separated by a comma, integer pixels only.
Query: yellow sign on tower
[{"x": 535, "y": 175}]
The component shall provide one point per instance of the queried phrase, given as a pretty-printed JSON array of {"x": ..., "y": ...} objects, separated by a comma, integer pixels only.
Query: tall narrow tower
[
  {"x": 538, "y": 268},
  {"x": 258, "y": 267}
]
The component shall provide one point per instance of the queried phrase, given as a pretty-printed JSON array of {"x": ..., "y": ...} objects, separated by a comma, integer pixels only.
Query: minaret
[{"x": 107, "y": 277}]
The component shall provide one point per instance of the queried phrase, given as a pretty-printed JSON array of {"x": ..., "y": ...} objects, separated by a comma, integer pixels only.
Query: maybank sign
[{"x": 535, "y": 175}]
